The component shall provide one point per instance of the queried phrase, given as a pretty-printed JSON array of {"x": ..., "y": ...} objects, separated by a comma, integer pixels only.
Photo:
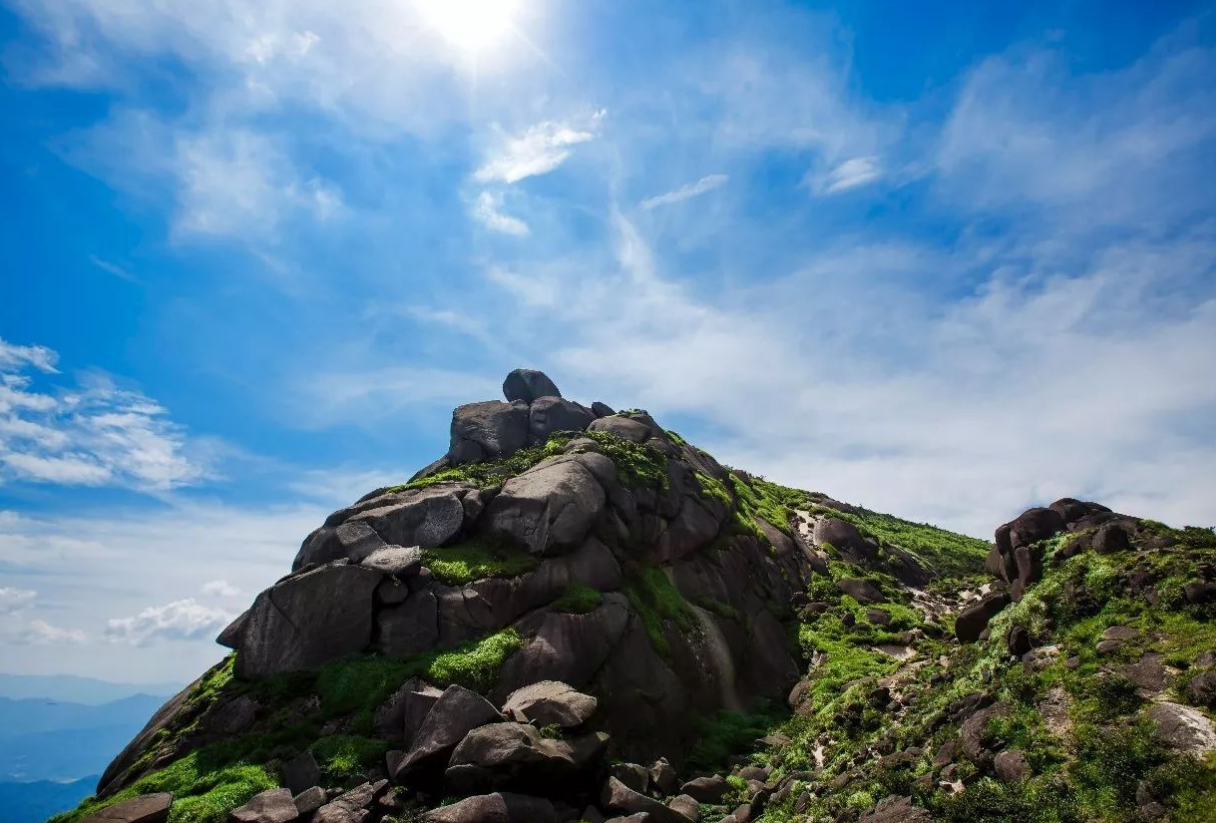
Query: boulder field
[{"x": 576, "y": 615}]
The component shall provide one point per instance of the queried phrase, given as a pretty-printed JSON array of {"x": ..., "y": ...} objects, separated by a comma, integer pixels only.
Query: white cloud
[
  {"x": 90, "y": 434},
  {"x": 180, "y": 620},
  {"x": 14, "y": 358},
  {"x": 852, "y": 173},
  {"x": 688, "y": 190},
  {"x": 220, "y": 588},
  {"x": 488, "y": 211},
  {"x": 14, "y": 600},
  {"x": 538, "y": 150},
  {"x": 41, "y": 633}
]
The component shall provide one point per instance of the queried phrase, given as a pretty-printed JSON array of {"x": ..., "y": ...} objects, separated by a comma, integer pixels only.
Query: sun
[{"x": 470, "y": 25}]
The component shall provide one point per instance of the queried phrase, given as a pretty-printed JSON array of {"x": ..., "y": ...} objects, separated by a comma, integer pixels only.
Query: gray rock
[
  {"x": 553, "y": 414},
  {"x": 271, "y": 806},
  {"x": 971, "y": 621},
  {"x": 499, "y": 807},
  {"x": 633, "y": 775},
  {"x": 528, "y": 385},
  {"x": 625, "y": 428},
  {"x": 429, "y": 517},
  {"x": 307, "y": 621},
  {"x": 456, "y": 713},
  {"x": 487, "y": 431},
  {"x": 863, "y": 591},
  {"x": 844, "y": 537},
  {"x": 601, "y": 409},
  {"x": 409, "y": 628},
  {"x": 663, "y": 777},
  {"x": 231, "y": 717},
  {"x": 1183, "y": 729},
  {"x": 301, "y": 772},
  {"x": 1011, "y": 766},
  {"x": 309, "y": 800},
  {"x": 569, "y": 648},
  {"x": 686, "y": 807},
  {"x": 550, "y": 702},
  {"x": 515, "y": 755},
  {"x": 896, "y": 810},
  {"x": 971, "y": 734},
  {"x": 398, "y": 561},
  {"x": 618, "y": 797},
  {"x": 230, "y": 637},
  {"x": 549, "y": 507},
  {"x": 148, "y": 808},
  {"x": 706, "y": 789},
  {"x": 351, "y": 807},
  {"x": 1201, "y": 690}
]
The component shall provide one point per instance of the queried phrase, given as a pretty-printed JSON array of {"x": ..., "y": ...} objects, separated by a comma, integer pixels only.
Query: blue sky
[{"x": 945, "y": 260}]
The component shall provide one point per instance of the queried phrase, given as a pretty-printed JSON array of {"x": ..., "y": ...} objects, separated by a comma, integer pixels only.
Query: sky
[{"x": 942, "y": 260}]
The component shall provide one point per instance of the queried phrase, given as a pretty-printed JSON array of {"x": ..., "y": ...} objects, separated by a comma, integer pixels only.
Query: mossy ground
[{"x": 477, "y": 559}]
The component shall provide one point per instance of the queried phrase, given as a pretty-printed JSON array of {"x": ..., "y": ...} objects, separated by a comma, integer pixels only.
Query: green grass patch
[
  {"x": 717, "y": 607},
  {"x": 343, "y": 756},
  {"x": 656, "y": 599},
  {"x": 730, "y": 733},
  {"x": 947, "y": 553},
  {"x": 577, "y": 599},
  {"x": 478, "y": 559}
]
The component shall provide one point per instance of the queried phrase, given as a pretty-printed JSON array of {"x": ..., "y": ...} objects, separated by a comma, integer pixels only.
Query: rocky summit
[{"x": 576, "y": 615}]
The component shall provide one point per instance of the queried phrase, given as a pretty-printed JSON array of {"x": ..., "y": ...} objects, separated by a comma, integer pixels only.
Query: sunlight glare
[{"x": 471, "y": 25}]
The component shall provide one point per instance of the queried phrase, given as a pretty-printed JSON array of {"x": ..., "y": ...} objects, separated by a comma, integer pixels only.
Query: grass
[
  {"x": 656, "y": 600},
  {"x": 730, "y": 733},
  {"x": 577, "y": 599},
  {"x": 637, "y": 464},
  {"x": 719, "y": 608},
  {"x": 476, "y": 560},
  {"x": 947, "y": 553},
  {"x": 344, "y": 756},
  {"x": 206, "y": 784}
]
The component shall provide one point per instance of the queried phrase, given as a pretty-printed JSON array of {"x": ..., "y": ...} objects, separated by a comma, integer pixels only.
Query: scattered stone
[
  {"x": 309, "y": 800},
  {"x": 301, "y": 772},
  {"x": 271, "y": 806},
  {"x": 148, "y": 808},
  {"x": 487, "y": 431},
  {"x": 1183, "y": 728},
  {"x": 1148, "y": 673},
  {"x": 632, "y": 775},
  {"x": 1200, "y": 593},
  {"x": 350, "y": 807},
  {"x": 663, "y": 777},
  {"x": 863, "y": 591},
  {"x": 1011, "y": 766},
  {"x": 1202, "y": 689},
  {"x": 706, "y": 789},
  {"x": 516, "y": 756},
  {"x": 686, "y": 807},
  {"x": 1018, "y": 641},
  {"x": 973, "y": 620},
  {"x": 618, "y": 797},
  {"x": 550, "y": 703},
  {"x": 896, "y": 810},
  {"x": 456, "y": 713}
]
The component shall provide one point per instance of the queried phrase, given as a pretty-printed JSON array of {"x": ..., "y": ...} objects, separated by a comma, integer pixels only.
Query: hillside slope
[{"x": 576, "y": 615}]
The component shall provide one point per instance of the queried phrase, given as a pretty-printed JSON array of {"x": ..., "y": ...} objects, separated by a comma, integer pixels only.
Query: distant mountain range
[
  {"x": 57, "y": 733},
  {"x": 72, "y": 689}
]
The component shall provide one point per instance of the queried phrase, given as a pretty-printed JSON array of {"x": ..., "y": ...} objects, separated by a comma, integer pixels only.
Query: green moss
[
  {"x": 656, "y": 599},
  {"x": 343, "y": 756},
  {"x": 730, "y": 733},
  {"x": 206, "y": 784},
  {"x": 947, "y": 553},
  {"x": 477, "y": 559},
  {"x": 577, "y": 599},
  {"x": 714, "y": 489},
  {"x": 718, "y": 607},
  {"x": 637, "y": 464},
  {"x": 474, "y": 665}
]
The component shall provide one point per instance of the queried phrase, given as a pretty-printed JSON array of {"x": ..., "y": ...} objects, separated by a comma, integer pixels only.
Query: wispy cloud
[
  {"x": 851, "y": 174},
  {"x": 488, "y": 211},
  {"x": 91, "y": 433},
  {"x": 14, "y": 600},
  {"x": 537, "y": 150},
  {"x": 685, "y": 192},
  {"x": 42, "y": 633},
  {"x": 220, "y": 588},
  {"x": 180, "y": 620},
  {"x": 113, "y": 268}
]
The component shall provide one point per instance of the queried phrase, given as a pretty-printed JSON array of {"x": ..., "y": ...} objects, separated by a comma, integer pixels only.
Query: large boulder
[
  {"x": 148, "y": 808},
  {"x": 972, "y": 620},
  {"x": 308, "y": 620},
  {"x": 1183, "y": 729},
  {"x": 408, "y": 628},
  {"x": 516, "y": 755},
  {"x": 456, "y": 713},
  {"x": 426, "y": 517},
  {"x": 527, "y": 385},
  {"x": 555, "y": 414},
  {"x": 1072, "y": 511},
  {"x": 1016, "y": 556},
  {"x": 487, "y": 431},
  {"x": 499, "y": 807},
  {"x": 271, "y": 806},
  {"x": 569, "y": 648},
  {"x": 623, "y": 427},
  {"x": 550, "y": 507},
  {"x": 550, "y": 703},
  {"x": 618, "y": 797}
]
